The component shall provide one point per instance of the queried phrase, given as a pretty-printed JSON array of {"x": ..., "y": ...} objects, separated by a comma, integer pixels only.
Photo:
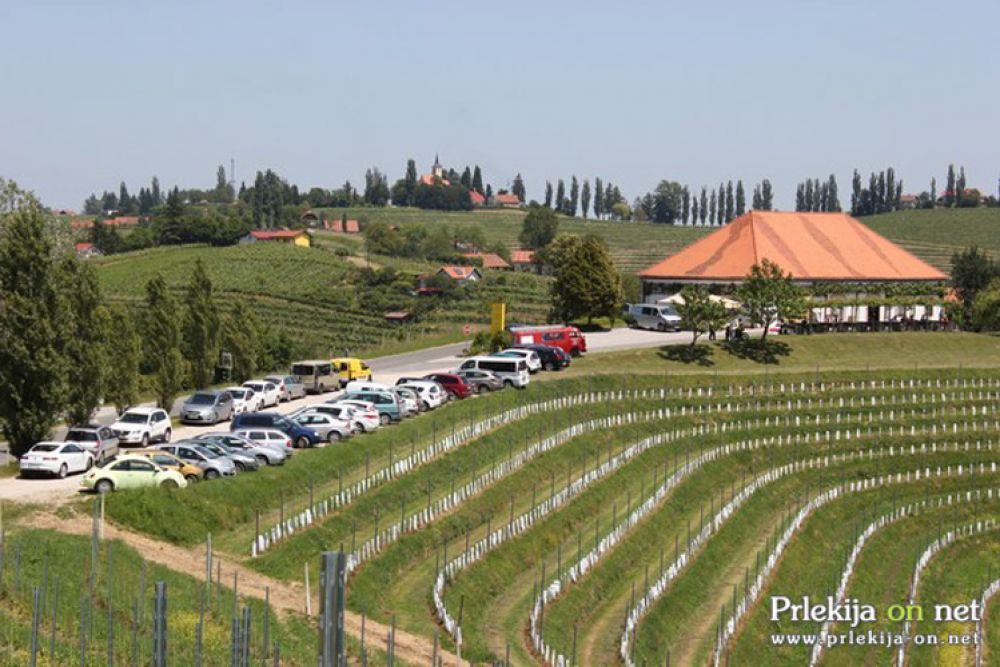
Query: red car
[
  {"x": 455, "y": 385},
  {"x": 567, "y": 339}
]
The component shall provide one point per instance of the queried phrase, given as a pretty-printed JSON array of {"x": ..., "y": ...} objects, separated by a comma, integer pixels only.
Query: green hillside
[{"x": 935, "y": 235}]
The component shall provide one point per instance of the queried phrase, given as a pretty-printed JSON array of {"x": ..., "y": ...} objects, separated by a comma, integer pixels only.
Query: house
[
  {"x": 463, "y": 275},
  {"x": 522, "y": 259},
  {"x": 908, "y": 201},
  {"x": 507, "y": 200},
  {"x": 398, "y": 317},
  {"x": 490, "y": 260},
  {"x": 86, "y": 251},
  {"x": 340, "y": 226},
  {"x": 298, "y": 237},
  {"x": 476, "y": 198}
]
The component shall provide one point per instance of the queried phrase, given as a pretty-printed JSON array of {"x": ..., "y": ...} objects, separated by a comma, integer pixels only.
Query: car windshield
[
  {"x": 238, "y": 393},
  {"x": 133, "y": 418},
  {"x": 45, "y": 448},
  {"x": 206, "y": 452},
  {"x": 202, "y": 399},
  {"x": 281, "y": 422},
  {"x": 255, "y": 386},
  {"x": 81, "y": 436},
  {"x": 668, "y": 310}
]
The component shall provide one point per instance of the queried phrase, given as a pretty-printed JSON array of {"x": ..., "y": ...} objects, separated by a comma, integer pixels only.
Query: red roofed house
[
  {"x": 297, "y": 237},
  {"x": 352, "y": 227},
  {"x": 522, "y": 259},
  {"x": 507, "y": 200},
  {"x": 463, "y": 275},
  {"x": 86, "y": 250},
  {"x": 477, "y": 199},
  {"x": 491, "y": 260}
]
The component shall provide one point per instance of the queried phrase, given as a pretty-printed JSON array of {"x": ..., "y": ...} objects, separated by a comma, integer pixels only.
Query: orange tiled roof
[
  {"x": 477, "y": 199},
  {"x": 263, "y": 235},
  {"x": 458, "y": 272},
  {"x": 491, "y": 260},
  {"x": 352, "y": 227},
  {"x": 522, "y": 256},
  {"x": 812, "y": 246},
  {"x": 507, "y": 200}
]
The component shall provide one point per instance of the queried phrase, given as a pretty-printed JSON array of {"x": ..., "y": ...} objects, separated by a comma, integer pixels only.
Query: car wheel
[
  {"x": 483, "y": 389},
  {"x": 551, "y": 366},
  {"x": 302, "y": 442},
  {"x": 215, "y": 418},
  {"x": 661, "y": 327},
  {"x": 145, "y": 440},
  {"x": 507, "y": 384},
  {"x": 104, "y": 486},
  {"x": 333, "y": 436},
  {"x": 262, "y": 460},
  {"x": 169, "y": 484},
  {"x": 358, "y": 429},
  {"x": 211, "y": 474},
  {"x": 424, "y": 407},
  {"x": 240, "y": 467},
  {"x": 322, "y": 387},
  {"x": 191, "y": 479},
  {"x": 383, "y": 419},
  {"x": 166, "y": 435},
  {"x": 63, "y": 471}
]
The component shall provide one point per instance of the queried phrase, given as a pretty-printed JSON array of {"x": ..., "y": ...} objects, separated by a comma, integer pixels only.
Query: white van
[
  {"x": 661, "y": 317},
  {"x": 365, "y": 385},
  {"x": 513, "y": 372}
]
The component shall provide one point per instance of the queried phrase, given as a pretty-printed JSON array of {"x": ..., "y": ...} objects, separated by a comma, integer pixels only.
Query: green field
[{"x": 935, "y": 235}]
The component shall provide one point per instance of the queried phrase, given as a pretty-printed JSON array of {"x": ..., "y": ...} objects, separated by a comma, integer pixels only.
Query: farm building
[
  {"x": 837, "y": 258},
  {"x": 522, "y": 259},
  {"x": 491, "y": 260},
  {"x": 507, "y": 200},
  {"x": 86, "y": 250},
  {"x": 463, "y": 275},
  {"x": 299, "y": 237}
]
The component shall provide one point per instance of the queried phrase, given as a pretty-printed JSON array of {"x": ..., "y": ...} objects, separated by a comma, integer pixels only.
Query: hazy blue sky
[{"x": 107, "y": 90}]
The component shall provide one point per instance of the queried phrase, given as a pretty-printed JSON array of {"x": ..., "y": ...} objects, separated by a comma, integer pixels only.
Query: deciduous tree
[
  {"x": 769, "y": 295},
  {"x": 539, "y": 228}
]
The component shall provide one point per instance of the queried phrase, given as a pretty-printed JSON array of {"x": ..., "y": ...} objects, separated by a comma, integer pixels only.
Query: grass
[{"x": 935, "y": 235}]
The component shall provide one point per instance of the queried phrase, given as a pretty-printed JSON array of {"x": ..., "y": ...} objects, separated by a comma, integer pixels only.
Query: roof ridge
[{"x": 753, "y": 237}]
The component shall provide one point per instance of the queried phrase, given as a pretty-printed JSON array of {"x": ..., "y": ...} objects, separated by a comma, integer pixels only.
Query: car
[
  {"x": 385, "y": 402},
  {"x": 430, "y": 395},
  {"x": 142, "y": 426},
  {"x": 344, "y": 412},
  {"x": 100, "y": 441},
  {"x": 330, "y": 428},
  {"x": 289, "y": 387},
  {"x": 661, "y": 317},
  {"x": 451, "y": 383},
  {"x": 482, "y": 382},
  {"x": 364, "y": 385},
  {"x": 530, "y": 356},
  {"x": 131, "y": 472},
  {"x": 364, "y": 411},
  {"x": 513, "y": 371},
  {"x": 192, "y": 473},
  {"x": 553, "y": 358},
  {"x": 408, "y": 400},
  {"x": 409, "y": 380},
  {"x": 268, "y": 453},
  {"x": 244, "y": 461},
  {"x": 316, "y": 376},
  {"x": 300, "y": 435},
  {"x": 567, "y": 338},
  {"x": 215, "y": 466},
  {"x": 351, "y": 368},
  {"x": 271, "y": 438},
  {"x": 207, "y": 407},
  {"x": 268, "y": 392},
  {"x": 56, "y": 458},
  {"x": 244, "y": 400}
]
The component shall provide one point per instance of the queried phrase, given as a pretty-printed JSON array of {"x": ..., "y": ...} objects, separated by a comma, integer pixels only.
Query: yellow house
[{"x": 299, "y": 237}]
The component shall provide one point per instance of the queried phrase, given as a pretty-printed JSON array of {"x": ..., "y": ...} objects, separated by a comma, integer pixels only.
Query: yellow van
[{"x": 350, "y": 369}]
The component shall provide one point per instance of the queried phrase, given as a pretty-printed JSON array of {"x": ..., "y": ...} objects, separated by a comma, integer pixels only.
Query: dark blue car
[{"x": 301, "y": 436}]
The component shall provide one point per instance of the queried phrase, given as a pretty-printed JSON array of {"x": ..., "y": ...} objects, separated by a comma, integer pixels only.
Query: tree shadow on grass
[
  {"x": 685, "y": 354},
  {"x": 759, "y": 351}
]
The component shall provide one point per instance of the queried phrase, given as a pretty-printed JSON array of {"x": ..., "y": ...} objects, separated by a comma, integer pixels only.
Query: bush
[{"x": 485, "y": 342}]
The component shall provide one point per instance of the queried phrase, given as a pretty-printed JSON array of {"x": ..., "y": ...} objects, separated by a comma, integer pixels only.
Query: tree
[
  {"x": 162, "y": 342},
  {"x": 517, "y": 188},
  {"x": 769, "y": 295},
  {"x": 699, "y": 313},
  {"x": 586, "y": 282},
  {"x": 201, "y": 327},
  {"x": 560, "y": 203},
  {"x": 124, "y": 354},
  {"x": 704, "y": 204},
  {"x": 757, "y": 203},
  {"x": 933, "y": 202},
  {"x": 730, "y": 203},
  {"x": 574, "y": 198},
  {"x": 155, "y": 192},
  {"x": 126, "y": 203},
  {"x": 800, "y": 197},
  {"x": 949, "y": 193},
  {"x": 376, "y": 188},
  {"x": 548, "y": 194},
  {"x": 685, "y": 205},
  {"x": 667, "y": 202},
  {"x": 694, "y": 211},
  {"x": 832, "y": 199},
  {"x": 585, "y": 198},
  {"x": 477, "y": 179},
  {"x": 598, "y": 198},
  {"x": 741, "y": 199},
  {"x": 971, "y": 271},
  {"x": 711, "y": 209},
  {"x": 986, "y": 308},
  {"x": 32, "y": 312},
  {"x": 539, "y": 228},
  {"x": 466, "y": 179},
  {"x": 88, "y": 333},
  {"x": 410, "y": 182},
  {"x": 766, "y": 195},
  {"x": 240, "y": 339},
  {"x": 171, "y": 221}
]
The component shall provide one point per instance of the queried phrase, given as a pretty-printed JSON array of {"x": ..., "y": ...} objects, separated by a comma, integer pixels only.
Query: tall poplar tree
[
  {"x": 560, "y": 203},
  {"x": 124, "y": 357},
  {"x": 201, "y": 327},
  {"x": 685, "y": 204},
  {"x": 598, "y": 198},
  {"x": 949, "y": 193},
  {"x": 704, "y": 205},
  {"x": 741, "y": 199},
  {"x": 585, "y": 198},
  {"x": 88, "y": 334},
  {"x": 410, "y": 181},
  {"x": 548, "y": 194},
  {"x": 574, "y": 197},
  {"x": 730, "y": 203},
  {"x": 161, "y": 339}
]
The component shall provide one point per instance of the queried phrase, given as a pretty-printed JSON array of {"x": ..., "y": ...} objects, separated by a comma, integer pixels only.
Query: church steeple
[{"x": 437, "y": 170}]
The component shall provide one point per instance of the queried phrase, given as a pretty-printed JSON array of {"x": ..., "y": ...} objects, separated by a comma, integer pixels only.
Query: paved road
[{"x": 385, "y": 369}]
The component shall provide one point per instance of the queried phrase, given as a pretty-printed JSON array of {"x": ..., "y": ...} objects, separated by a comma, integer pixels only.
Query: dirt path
[
  {"x": 362, "y": 263},
  {"x": 285, "y": 598}
]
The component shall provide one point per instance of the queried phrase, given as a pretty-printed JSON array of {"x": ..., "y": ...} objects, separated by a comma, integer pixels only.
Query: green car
[{"x": 131, "y": 472}]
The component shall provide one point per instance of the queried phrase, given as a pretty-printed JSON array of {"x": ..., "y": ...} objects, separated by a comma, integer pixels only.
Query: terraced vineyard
[{"x": 935, "y": 235}]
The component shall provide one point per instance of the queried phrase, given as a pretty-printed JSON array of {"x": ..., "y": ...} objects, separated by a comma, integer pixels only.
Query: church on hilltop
[{"x": 436, "y": 177}]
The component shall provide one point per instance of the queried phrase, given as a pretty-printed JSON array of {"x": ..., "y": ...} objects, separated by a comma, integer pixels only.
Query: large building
[{"x": 814, "y": 247}]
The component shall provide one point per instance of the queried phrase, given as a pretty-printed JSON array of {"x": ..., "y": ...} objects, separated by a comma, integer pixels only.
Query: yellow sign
[{"x": 498, "y": 317}]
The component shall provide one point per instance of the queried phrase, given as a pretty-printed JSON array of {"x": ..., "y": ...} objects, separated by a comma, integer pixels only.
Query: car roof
[
  {"x": 51, "y": 442},
  {"x": 266, "y": 429},
  {"x": 86, "y": 427},
  {"x": 142, "y": 410}
]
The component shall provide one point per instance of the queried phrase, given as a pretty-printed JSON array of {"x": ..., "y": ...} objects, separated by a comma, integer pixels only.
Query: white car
[
  {"x": 244, "y": 400},
  {"x": 408, "y": 402},
  {"x": 267, "y": 437},
  {"x": 56, "y": 458},
  {"x": 365, "y": 412},
  {"x": 364, "y": 385},
  {"x": 430, "y": 394},
  {"x": 141, "y": 426},
  {"x": 268, "y": 391},
  {"x": 340, "y": 411},
  {"x": 534, "y": 361}
]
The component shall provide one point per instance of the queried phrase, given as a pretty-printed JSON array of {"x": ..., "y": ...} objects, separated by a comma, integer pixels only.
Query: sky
[{"x": 97, "y": 92}]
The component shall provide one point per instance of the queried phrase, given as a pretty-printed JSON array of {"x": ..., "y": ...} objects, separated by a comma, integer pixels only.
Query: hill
[{"x": 935, "y": 235}]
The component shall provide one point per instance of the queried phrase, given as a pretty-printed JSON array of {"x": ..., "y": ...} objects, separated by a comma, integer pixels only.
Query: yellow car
[
  {"x": 350, "y": 369},
  {"x": 131, "y": 472},
  {"x": 192, "y": 473}
]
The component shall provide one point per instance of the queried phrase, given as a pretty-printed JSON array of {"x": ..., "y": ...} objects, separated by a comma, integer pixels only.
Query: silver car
[
  {"x": 289, "y": 387},
  {"x": 215, "y": 466},
  {"x": 207, "y": 407},
  {"x": 330, "y": 428},
  {"x": 245, "y": 461},
  {"x": 265, "y": 454}
]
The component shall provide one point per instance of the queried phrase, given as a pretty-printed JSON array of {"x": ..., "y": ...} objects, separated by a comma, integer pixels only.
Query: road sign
[{"x": 467, "y": 329}]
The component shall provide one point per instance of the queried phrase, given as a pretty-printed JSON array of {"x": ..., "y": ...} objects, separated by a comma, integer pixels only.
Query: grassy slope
[{"x": 934, "y": 235}]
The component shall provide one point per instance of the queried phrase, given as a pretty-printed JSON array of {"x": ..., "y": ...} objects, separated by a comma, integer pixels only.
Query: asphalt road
[{"x": 384, "y": 369}]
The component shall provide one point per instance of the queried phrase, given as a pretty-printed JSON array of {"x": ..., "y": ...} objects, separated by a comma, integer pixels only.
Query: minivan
[
  {"x": 300, "y": 435},
  {"x": 661, "y": 317},
  {"x": 385, "y": 402},
  {"x": 317, "y": 376},
  {"x": 351, "y": 368},
  {"x": 513, "y": 372}
]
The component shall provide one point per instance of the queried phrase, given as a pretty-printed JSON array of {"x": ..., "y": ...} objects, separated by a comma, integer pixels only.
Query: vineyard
[{"x": 594, "y": 519}]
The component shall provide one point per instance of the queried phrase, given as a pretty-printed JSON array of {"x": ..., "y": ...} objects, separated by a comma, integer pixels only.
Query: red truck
[{"x": 567, "y": 339}]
